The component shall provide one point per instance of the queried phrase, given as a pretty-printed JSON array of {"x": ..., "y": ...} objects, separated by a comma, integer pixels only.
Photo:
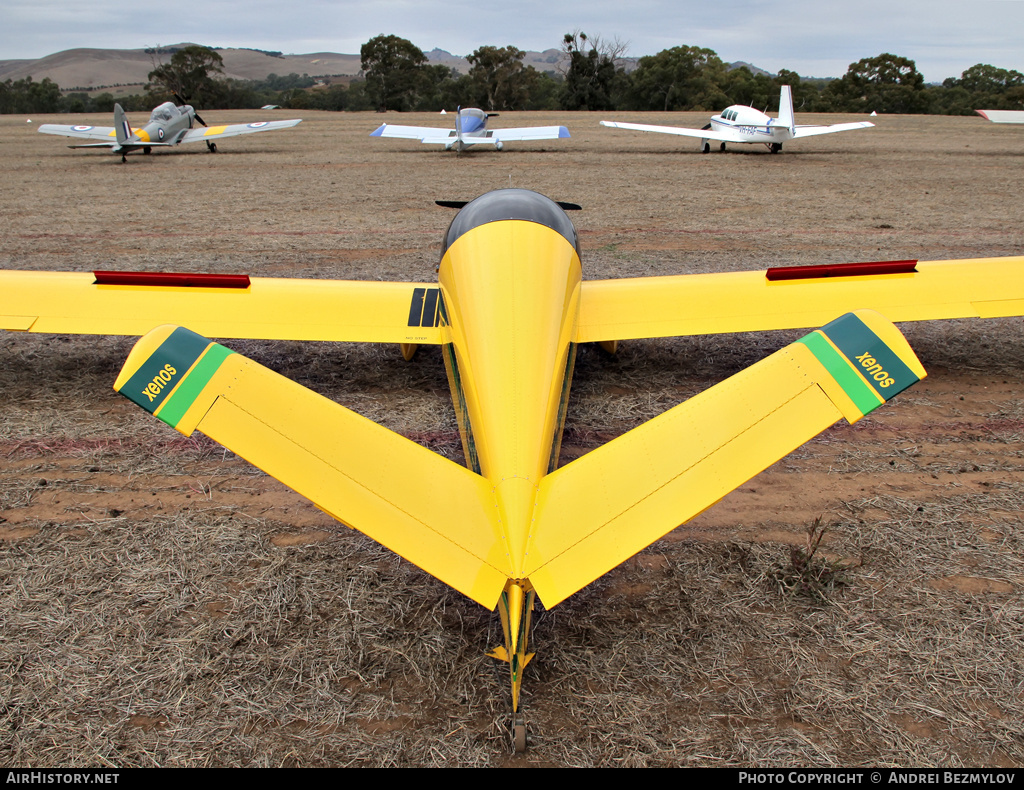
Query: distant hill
[
  {"x": 548, "y": 60},
  {"x": 127, "y": 70},
  {"x": 89, "y": 69},
  {"x": 739, "y": 64}
]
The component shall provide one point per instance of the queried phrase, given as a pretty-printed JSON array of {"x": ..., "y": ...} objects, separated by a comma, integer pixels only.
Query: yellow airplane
[{"x": 509, "y": 310}]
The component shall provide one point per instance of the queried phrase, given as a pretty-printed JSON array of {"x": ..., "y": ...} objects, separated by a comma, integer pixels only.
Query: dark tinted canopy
[{"x": 511, "y": 204}]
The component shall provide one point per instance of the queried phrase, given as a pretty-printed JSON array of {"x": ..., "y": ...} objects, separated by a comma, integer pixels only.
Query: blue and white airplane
[
  {"x": 740, "y": 124},
  {"x": 470, "y": 129}
]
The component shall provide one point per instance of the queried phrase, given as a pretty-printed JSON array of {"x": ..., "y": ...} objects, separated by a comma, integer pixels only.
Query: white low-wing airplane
[
  {"x": 470, "y": 129},
  {"x": 1002, "y": 116},
  {"x": 168, "y": 125},
  {"x": 740, "y": 124}
]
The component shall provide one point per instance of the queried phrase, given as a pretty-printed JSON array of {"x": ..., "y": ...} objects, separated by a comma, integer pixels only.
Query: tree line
[{"x": 396, "y": 75}]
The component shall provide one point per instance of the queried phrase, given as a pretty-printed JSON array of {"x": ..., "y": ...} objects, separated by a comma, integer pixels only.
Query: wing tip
[{"x": 867, "y": 360}]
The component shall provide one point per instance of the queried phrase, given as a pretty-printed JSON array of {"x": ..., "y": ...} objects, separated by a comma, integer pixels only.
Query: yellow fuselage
[{"x": 511, "y": 291}]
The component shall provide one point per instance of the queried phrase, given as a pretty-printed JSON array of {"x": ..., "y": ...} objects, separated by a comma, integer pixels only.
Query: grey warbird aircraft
[{"x": 169, "y": 125}]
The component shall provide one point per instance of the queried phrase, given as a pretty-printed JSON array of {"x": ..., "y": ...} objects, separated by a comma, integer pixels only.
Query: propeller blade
[
  {"x": 178, "y": 98},
  {"x": 460, "y": 203}
]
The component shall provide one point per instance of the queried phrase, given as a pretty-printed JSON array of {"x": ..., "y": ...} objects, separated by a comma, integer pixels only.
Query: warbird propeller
[
  {"x": 169, "y": 125},
  {"x": 508, "y": 310},
  {"x": 740, "y": 124},
  {"x": 470, "y": 130}
]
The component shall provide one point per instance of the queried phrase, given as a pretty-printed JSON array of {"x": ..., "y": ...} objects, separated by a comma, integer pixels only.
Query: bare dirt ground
[{"x": 164, "y": 603}]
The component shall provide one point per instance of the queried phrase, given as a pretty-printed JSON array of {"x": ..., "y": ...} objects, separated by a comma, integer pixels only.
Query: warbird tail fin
[
  {"x": 607, "y": 505},
  {"x": 435, "y": 513},
  {"x": 122, "y": 128}
]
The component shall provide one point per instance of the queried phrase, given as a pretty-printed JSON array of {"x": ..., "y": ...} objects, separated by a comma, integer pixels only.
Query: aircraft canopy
[
  {"x": 165, "y": 112},
  {"x": 502, "y": 204}
]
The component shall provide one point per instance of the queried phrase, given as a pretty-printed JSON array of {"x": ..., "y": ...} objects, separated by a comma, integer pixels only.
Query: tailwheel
[
  {"x": 518, "y": 735},
  {"x": 515, "y": 607}
]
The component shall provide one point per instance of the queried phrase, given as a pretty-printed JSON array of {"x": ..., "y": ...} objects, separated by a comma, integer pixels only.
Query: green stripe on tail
[
  {"x": 863, "y": 396},
  {"x": 186, "y": 393},
  {"x": 878, "y": 364},
  {"x": 169, "y": 381},
  {"x": 868, "y": 370},
  {"x": 164, "y": 369}
]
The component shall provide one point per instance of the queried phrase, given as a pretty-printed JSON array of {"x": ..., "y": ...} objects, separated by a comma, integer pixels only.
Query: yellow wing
[
  {"x": 602, "y": 508},
  {"x": 435, "y": 513},
  {"x": 749, "y": 301},
  {"x": 221, "y": 306},
  {"x": 230, "y": 130}
]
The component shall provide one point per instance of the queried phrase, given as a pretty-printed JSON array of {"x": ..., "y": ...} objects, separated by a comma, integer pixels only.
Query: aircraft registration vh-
[{"x": 508, "y": 311}]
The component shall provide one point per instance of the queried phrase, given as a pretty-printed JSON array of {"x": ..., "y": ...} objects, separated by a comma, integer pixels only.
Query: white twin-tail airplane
[
  {"x": 741, "y": 124},
  {"x": 169, "y": 125},
  {"x": 470, "y": 129}
]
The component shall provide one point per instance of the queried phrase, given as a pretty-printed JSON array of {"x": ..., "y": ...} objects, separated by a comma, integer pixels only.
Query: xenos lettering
[
  {"x": 868, "y": 370},
  {"x": 154, "y": 379},
  {"x": 877, "y": 364},
  {"x": 160, "y": 380},
  {"x": 873, "y": 369}
]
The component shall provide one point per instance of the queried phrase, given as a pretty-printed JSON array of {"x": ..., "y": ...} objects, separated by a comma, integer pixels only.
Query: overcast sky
[{"x": 815, "y": 38}]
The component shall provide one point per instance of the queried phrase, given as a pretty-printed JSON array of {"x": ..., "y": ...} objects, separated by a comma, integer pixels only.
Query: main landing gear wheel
[
  {"x": 519, "y": 736},
  {"x": 721, "y": 147},
  {"x": 211, "y": 146},
  {"x": 706, "y": 148},
  {"x": 147, "y": 150},
  {"x": 775, "y": 147}
]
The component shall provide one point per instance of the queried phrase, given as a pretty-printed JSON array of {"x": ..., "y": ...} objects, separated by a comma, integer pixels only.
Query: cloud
[{"x": 812, "y": 38}]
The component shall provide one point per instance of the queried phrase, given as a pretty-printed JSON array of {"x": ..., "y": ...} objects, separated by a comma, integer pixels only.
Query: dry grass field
[{"x": 162, "y": 603}]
